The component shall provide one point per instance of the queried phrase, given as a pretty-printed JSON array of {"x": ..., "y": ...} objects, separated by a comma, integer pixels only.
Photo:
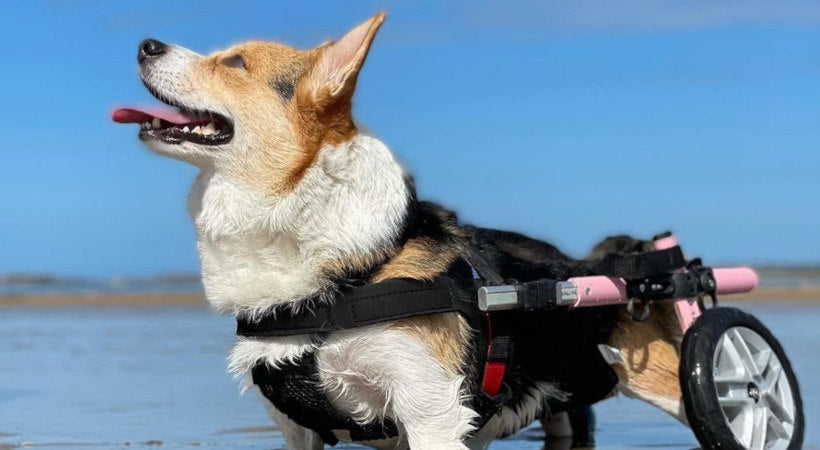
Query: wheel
[{"x": 738, "y": 387}]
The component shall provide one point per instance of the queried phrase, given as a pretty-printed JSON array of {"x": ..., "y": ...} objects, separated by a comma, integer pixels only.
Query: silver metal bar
[{"x": 497, "y": 298}]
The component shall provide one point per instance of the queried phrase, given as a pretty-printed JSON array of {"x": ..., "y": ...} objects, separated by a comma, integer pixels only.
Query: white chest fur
[
  {"x": 259, "y": 251},
  {"x": 247, "y": 267}
]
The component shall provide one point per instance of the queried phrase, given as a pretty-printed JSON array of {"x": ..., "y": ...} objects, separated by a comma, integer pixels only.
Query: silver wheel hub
[{"x": 754, "y": 393}]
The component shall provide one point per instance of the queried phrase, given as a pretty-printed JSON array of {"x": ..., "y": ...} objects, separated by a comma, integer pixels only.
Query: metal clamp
[
  {"x": 566, "y": 293},
  {"x": 531, "y": 295}
]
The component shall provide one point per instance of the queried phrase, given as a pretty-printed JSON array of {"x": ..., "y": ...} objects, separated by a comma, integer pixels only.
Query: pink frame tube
[
  {"x": 687, "y": 308},
  {"x": 733, "y": 280},
  {"x": 601, "y": 290}
]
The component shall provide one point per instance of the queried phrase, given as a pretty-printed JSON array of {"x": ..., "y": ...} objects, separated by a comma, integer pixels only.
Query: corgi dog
[{"x": 293, "y": 200}]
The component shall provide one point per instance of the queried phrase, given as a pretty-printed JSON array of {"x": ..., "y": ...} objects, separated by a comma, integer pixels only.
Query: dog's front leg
[
  {"x": 426, "y": 398},
  {"x": 376, "y": 372},
  {"x": 430, "y": 409},
  {"x": 296, "y": 436}
]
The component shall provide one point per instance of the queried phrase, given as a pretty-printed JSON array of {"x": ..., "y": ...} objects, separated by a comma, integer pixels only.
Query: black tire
[{"x": 700, "y": 392}]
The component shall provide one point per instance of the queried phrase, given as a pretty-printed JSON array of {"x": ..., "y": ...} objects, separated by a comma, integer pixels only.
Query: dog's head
[{"x": 257, "y": 110}]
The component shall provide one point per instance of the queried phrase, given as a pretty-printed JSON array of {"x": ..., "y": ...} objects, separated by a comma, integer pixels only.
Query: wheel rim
[{"x": 754, "y": 393}]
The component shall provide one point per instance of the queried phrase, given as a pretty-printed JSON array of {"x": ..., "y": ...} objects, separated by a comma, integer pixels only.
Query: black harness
[
  {"x": 367, "y": 305},
  {"x": 295, "y": 389}
]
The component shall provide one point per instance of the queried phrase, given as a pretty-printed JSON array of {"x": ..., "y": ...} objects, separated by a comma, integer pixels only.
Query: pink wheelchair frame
[
  {"x": 602, "y": 290},
  {"x": 737, "y": 384}
]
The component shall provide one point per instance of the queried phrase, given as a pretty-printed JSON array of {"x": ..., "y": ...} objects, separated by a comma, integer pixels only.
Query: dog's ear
[{"x": 333, "y": 75}]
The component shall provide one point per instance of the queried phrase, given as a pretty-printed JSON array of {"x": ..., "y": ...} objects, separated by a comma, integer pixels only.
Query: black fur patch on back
[{"x": 519, "y": 257}]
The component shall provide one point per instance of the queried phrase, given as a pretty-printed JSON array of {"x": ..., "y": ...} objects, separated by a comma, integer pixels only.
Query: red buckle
[{"x": 493, "y": 374}]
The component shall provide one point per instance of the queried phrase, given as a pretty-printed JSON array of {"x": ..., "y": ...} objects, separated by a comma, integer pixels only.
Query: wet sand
[{"x": 144, "y": 376}]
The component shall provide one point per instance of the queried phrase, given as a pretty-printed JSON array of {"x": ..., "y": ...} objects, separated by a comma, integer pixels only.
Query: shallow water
[{"x": 115, "y": 377}]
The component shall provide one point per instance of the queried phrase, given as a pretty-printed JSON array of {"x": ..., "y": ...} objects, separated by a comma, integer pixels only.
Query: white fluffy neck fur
[{"x": 258, "y": 252}]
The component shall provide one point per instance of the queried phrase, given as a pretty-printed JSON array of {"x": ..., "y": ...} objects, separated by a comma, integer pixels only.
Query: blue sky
[{"x": 564, "y": 120}]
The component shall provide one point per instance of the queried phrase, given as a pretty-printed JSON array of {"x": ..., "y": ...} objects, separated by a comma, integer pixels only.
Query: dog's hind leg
[
  {"x": 296, "y": 437},
  {"x": 651, "y": 356}
]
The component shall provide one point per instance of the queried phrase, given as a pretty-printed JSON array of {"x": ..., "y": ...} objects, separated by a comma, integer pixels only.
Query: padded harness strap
[{"x": 364, "y": 305}]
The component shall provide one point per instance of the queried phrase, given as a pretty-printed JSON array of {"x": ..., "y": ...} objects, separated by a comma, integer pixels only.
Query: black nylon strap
[
  {"x": 501, "y": 348},
  {"x": 640, "y": 265},
  {"x": 483, "y": 268},
  {"x": 363, "y": 305}
]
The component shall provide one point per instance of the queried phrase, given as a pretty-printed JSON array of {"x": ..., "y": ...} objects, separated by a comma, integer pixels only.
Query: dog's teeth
[
  {"x": 146, "y": 126},
  {"x": 197, "y": 130},
  {"x": 209, "y": 129},
  {"x": 156, "y": 122},
  {"x": 186, "y": 129}
]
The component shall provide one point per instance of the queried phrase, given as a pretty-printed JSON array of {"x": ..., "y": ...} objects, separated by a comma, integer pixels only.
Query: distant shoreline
[
  {"x": 803, "y": 294},
  {"x": 105, "y": 299}
]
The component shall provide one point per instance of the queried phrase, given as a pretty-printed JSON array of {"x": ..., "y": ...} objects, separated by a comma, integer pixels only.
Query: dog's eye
[{"x": 234, "y": 61}]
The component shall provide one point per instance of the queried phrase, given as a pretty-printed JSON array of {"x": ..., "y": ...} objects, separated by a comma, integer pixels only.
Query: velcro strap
[
  {"x": 640, "y": 265},
  {"x": 500, "y": 349}
]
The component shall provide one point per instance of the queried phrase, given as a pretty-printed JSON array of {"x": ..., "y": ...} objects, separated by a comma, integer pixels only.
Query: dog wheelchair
[{"x": 739, "y": 389}]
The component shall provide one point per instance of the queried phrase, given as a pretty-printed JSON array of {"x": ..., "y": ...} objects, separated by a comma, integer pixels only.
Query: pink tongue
[{"x": 130, "y": 115}]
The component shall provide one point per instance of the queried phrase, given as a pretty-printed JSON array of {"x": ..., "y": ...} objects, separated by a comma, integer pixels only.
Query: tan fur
[
  {"x": 287, "y": 133},
  {"x": 446, "y": 335},
  {"x": 276, "y": 152},
  {"x": 421, "y": 259},
  {"x": 355, "y": 263},
  {"x": 651, "y": 352},
  {"x": 322, "y": 110}
]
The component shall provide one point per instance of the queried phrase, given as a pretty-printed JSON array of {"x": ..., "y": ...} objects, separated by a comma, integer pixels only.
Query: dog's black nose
[{"x": 150, "y": 48}]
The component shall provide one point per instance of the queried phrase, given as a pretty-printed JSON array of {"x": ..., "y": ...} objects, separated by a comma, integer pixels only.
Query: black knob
[{"x": 150, "y": 48}]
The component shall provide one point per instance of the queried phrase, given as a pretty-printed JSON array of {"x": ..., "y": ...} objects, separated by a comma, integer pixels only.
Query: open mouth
[{"x": 177, "y": 124}]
